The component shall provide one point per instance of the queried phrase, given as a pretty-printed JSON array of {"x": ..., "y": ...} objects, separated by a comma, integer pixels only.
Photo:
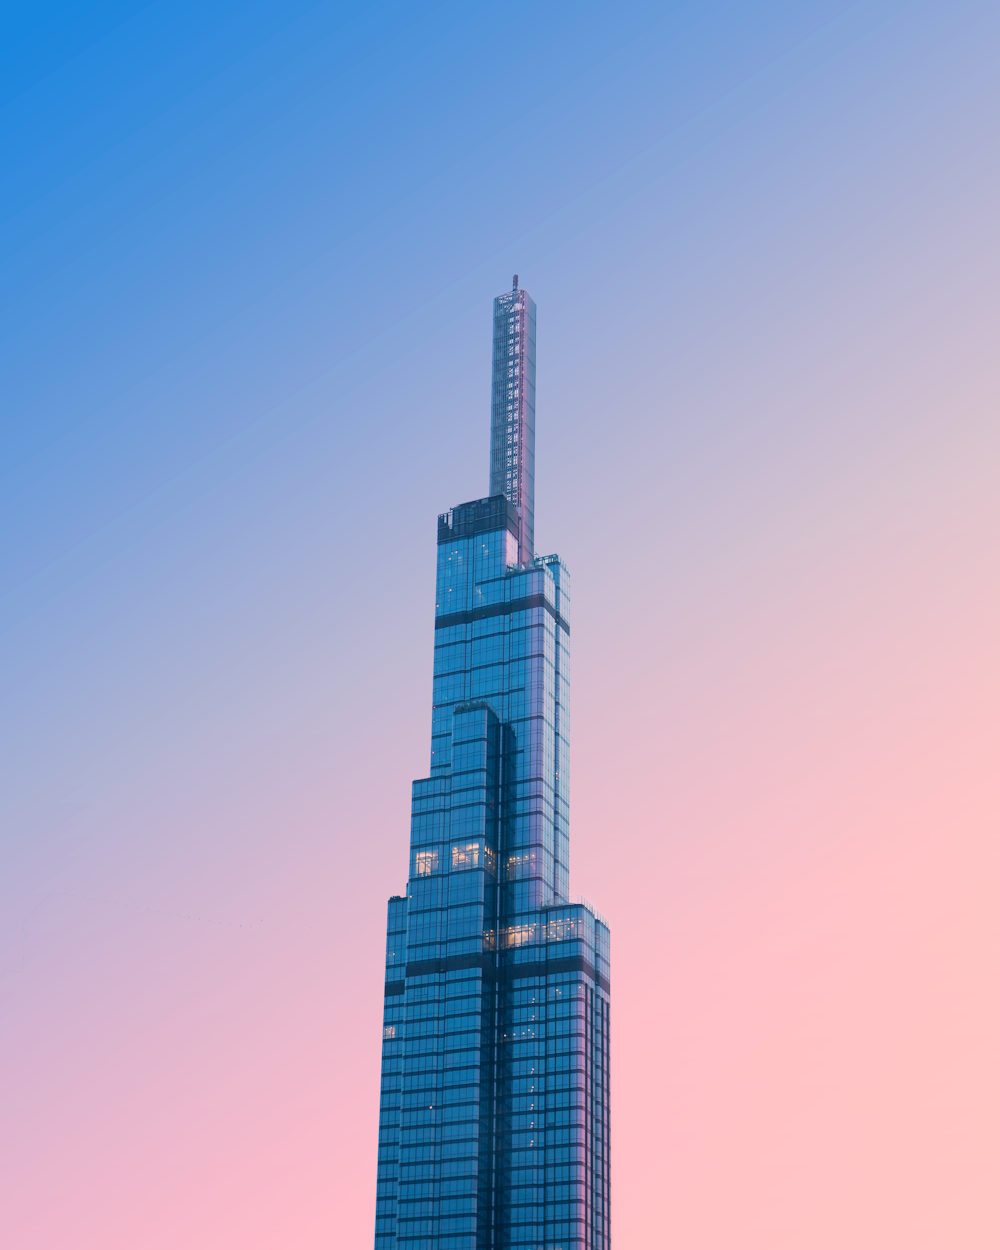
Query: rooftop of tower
[{"x": 479, "y": 516}]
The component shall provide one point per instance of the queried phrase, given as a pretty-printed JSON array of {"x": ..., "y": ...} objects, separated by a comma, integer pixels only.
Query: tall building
[{"x": 493, "y": 1128}]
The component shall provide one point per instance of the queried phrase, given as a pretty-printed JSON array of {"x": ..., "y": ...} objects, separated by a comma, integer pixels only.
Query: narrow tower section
[{"x": 512, "y": 429}]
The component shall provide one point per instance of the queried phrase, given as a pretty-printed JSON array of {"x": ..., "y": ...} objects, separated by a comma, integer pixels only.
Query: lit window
[
  {"x": 426, "y": 863},
  {"x": 465, "y": 856},
  {"x": 388, "y": 1031},
  {"x": 521, "y": 865},
  {"x": 520, "y": 935},
  {"x": 564, "y": 930}
]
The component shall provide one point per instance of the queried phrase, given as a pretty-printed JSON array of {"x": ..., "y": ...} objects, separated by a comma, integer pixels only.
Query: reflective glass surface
[{"x": 496, "y": 1035}]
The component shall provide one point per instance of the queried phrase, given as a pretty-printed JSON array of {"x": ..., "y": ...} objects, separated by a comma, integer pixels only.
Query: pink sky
[{"x": 767, "y": 450}]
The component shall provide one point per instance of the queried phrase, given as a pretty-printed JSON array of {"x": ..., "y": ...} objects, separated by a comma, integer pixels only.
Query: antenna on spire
[{"x": 515, "y": 282}]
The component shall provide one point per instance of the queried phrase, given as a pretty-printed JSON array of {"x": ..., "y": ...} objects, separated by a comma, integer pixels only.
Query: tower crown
[{"x": 512, "y": 415}]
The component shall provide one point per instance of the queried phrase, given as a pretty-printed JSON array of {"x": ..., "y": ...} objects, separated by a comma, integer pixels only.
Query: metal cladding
[
  {"x": 512, "y": 424},
  {"x": 494, "y": 1116}
]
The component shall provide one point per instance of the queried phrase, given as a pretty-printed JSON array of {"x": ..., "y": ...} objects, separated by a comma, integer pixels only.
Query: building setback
[{"x": 494, "y": 1115}]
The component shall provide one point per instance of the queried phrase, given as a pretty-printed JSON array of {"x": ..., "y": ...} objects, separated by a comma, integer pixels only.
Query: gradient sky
[{"x": 247, "y": 254}]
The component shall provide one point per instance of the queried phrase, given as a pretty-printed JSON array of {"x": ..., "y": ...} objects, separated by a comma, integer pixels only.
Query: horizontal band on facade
[
  {"x": 510, "y": 972},
  {"x": 444, "y": 620},
  {"x": 549, "y": 968},
  {"x": 454, "y": 963}
]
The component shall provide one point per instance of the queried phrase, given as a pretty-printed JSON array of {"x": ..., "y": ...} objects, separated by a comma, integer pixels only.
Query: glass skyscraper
[{"x": 493, "y": 1127}]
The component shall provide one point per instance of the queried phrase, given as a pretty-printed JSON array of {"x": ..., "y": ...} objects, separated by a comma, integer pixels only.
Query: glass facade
[
  {"x": 496, "y": 1039},
  {"x": 512, "y": 416}
]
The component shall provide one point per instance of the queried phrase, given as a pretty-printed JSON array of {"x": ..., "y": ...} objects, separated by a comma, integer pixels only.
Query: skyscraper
[{"x": 493, "y": 1128}]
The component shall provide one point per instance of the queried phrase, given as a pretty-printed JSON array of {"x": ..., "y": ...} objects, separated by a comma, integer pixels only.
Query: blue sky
[
  {"x": 247, "y": 254},
  {"x": 211, "y": 208}
]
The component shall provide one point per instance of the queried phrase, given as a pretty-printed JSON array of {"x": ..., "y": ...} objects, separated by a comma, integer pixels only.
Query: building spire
[{"x": 512, "y": 424}]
